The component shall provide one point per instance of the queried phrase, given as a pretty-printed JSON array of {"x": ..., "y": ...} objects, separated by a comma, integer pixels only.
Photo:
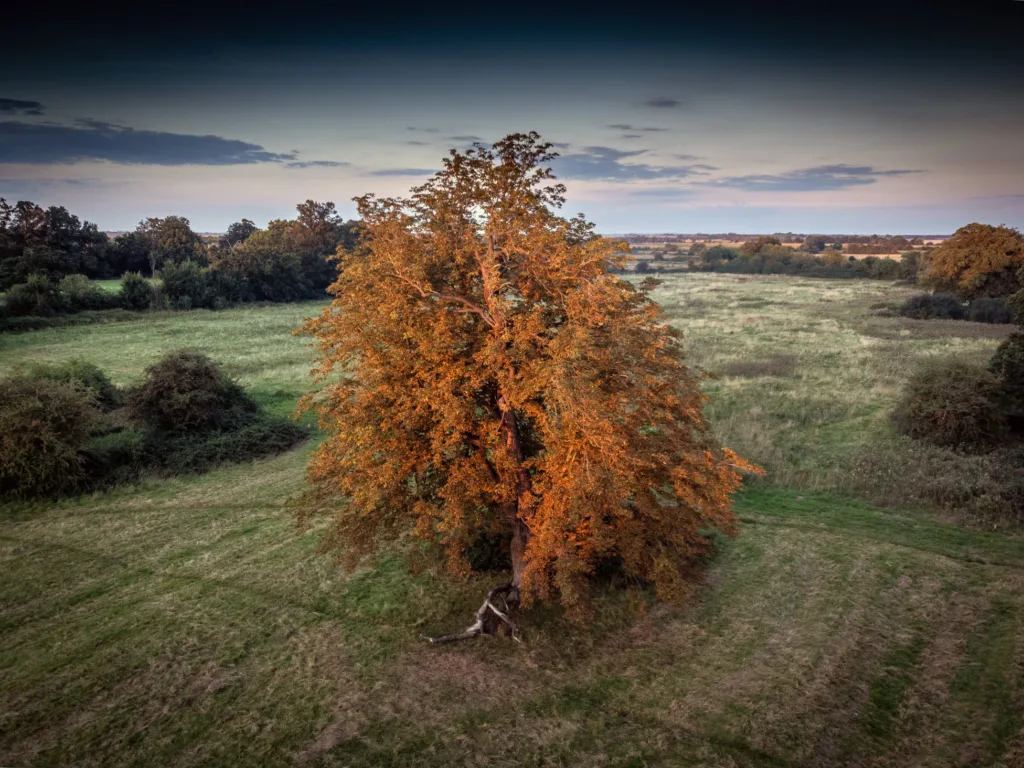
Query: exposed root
[{"x": 489, "y": 617}]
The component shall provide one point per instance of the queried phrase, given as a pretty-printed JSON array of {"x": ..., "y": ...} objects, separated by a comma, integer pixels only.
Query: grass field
[{"x": 187, "y": 622}]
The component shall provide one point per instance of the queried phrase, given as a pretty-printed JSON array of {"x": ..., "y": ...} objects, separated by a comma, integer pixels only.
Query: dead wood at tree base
[{"x": 499, "y": 608}]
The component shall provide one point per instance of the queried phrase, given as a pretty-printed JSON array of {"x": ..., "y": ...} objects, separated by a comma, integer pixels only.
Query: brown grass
[{"x": 779, "y": 365}]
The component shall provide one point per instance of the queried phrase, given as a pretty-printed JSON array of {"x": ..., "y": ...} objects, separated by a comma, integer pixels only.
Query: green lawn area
[
  {"x": 187, "y": 621},
  {"x": 110, "y": 286}
]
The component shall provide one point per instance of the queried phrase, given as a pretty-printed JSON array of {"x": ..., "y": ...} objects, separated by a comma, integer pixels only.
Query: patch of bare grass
[{"x": 779, "y": 365}]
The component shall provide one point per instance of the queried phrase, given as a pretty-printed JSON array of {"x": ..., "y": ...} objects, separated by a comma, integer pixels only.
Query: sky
[{"x": 746, "y": 117}]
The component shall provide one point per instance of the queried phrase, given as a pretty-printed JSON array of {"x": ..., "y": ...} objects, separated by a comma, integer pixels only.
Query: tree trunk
[
  {"x": 520, "y": 537},
  {"x": 520, "y": 530},
  {"x": 500, "y": 609}
]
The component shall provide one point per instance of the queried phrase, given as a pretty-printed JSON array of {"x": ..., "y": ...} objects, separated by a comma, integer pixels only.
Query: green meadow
[{"x": 866, "y": 615}]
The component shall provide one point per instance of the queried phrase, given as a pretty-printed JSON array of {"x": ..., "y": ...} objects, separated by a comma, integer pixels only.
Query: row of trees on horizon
[
  {"x": 291, "y": 259},
  {"x": 54, "y": 243}
]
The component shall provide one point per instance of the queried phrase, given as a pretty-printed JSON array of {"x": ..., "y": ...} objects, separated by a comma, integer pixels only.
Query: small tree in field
[{"x": 484, "y": 374}]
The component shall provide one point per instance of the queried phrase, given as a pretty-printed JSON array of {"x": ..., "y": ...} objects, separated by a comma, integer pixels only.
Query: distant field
[
  {"x": 645, "y": 250},
  {"x": 254, "y": 344},
  {"x": 187, "y": 622}
]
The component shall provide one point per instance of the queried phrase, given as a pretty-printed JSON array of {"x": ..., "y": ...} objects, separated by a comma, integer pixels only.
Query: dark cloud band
[
  {"x": 92, "y": 140},
  {"x": 20, "y": 107},
  {"x": 821, "y": 178},
  {"x": 603, "y": 164}
]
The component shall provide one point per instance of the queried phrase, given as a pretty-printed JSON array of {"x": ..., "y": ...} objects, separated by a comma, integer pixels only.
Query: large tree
[
  {"x": 237, "y": 233},
  {"x": 52, "y": 242},
  {"x": 170, "y": 239},
  {"x": 485, "y": 375},
  {"x": 978, "y": 260},
  {"x": 316, "y": 235},
  {"x": 265, "y": 265}
]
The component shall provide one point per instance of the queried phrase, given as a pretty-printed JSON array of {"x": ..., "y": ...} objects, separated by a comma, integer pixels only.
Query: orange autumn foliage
[
  {"x": 483, "y": 371},
  {"x": 978, "y": 260}
]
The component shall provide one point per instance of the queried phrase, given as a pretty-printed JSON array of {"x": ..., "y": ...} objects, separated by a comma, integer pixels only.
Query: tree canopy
[
  {"x": 237, "y": 233},
  {"x": 483, "y": 373},
  {"x": 170, "y": 239},
  {"x": 267, "y": 265},
  {"x": 978, "y": 260},
  {"x": 51, "y": 242}
]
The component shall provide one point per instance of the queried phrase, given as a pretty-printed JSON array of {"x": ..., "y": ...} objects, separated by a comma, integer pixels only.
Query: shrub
[
  {"x": 187, "y": 391},
  {"x": 195, "y": 452},
  {"x": 79, "y": 293},
  {"x": 1008, "y": 366},
  {"x": 885, "y": 269},
  {"x": 933, "y": 305},
  {"x": 989, "y": 310},
  {"x": 185, "y": 286},
  {"x": 190, "y": 286},
  {"x": 38, "y": 296},
  {"x": 44, "y": 426},
  {"x": 953, "y": 404},
  {"x": 116, "y": 457},
  {"x": 136, "y": 292},
  {"x": 80, "y": 374}
]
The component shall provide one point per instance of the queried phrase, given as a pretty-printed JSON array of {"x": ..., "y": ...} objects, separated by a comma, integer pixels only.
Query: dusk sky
[{"x": 864, "y": 118}]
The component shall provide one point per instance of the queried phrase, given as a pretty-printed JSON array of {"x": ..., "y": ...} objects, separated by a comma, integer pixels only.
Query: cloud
[
  {"x": 464, "y": 138},
  {"x": 316, "y": 164},
  {"x": 418, "y": 143},
  {"x": 91, "y": 140},
  {"x": 664, "y": 193},
  {"x": 20, "y": 107},
  {"x": 631, "y": 136},
  {"x": 10, "y": 182},
  {"x": 423, "y": 130},
  {"x": 628, "y": 127},
  {"x": 663, "y": 103},
  {"x": 603, "y": 164},
  {"x": 821, "y": 178},
  {"x": 34, "y": 188},
  {"x": 403, "y": 172}
]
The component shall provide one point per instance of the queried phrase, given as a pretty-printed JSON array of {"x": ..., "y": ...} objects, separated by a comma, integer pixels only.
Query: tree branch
[{"x": 470, "y": 307}]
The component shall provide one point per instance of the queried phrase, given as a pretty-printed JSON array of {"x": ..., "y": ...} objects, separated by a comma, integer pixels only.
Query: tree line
[
  {"x": 289, "y": 260},
  {"x": 766, "y": 255}
]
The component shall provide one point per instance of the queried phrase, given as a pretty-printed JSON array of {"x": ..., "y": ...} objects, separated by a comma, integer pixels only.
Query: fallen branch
[{"x": 489, "y": 617}]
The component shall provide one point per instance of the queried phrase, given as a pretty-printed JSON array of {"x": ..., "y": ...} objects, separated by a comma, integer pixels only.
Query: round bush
[
  {"x": 136, "y": 292},
  {"x": 44, "y": 426},
  {"x": 79, "y": 373},
  {"x": 186, "y": 391},
  {"x": 989, "y": 310},
  {"x": 938, "y": 305},
  {"x": 955, "y": 405}
]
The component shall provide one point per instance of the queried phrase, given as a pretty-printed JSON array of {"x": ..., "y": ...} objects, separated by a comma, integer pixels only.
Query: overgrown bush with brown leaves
[
  {"x": 954, "y": 404},
  {"x": 187, "y": 391},
  {"x": 44, "y": 427}
]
